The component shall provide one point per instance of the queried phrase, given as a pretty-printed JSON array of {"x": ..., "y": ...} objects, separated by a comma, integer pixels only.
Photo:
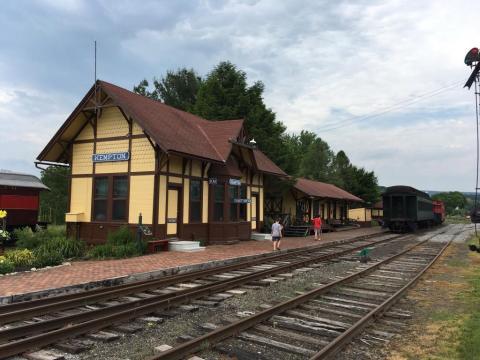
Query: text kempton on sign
[{"x": 120, "y": 156}]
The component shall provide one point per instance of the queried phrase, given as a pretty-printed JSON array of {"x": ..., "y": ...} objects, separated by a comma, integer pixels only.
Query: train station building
[
  {"x": 306, "y": 199},
  {"x": 188, "y": 177}
]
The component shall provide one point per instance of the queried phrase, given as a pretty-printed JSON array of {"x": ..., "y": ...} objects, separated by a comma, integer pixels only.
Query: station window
[
  {"x": 110, "y": 198},
  {"x": 219, "y": 199},
  {"x": 233, "y": 194},
  {"x": 119, "y": 197},
  {"x": 243, "y": 207},
  {"x": 195, "y": 201},
  {"x": 100, "y": 199}
]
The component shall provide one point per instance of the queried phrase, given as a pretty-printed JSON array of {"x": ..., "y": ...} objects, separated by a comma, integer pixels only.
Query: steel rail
[
  {"x": 346, "y": 337},
  {"x": 124, "y": 289},
  {"x": 87, "y": 298},
  {"x": 51, "y": 331},
  {"x": 235, "y": 328}
]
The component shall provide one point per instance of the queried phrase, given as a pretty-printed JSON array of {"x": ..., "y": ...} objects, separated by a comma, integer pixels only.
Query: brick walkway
[{"x": 86, "y": 271}]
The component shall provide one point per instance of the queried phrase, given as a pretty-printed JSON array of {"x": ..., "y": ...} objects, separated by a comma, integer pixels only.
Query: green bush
[
  {"x": 122, "y": 236},
  {"x": 68, "y": 248},
  {"x": 120, "y": 244},
  {"x": 47, "y": 256},
  {"x": 106, "y": 251},
  {"x": 20, "y": 257},
  {"x": 26, "y": 238},
  {"x": 46, "y": 247},
  {"x": 51, "y": 232},
  {"x": 6, "y": 266}
]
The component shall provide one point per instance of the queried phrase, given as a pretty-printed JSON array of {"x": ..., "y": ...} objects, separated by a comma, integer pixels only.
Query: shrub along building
[{"x": 188, "y": 177}]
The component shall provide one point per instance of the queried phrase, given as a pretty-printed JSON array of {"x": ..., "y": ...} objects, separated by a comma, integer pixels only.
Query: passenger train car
[
  {"x": 407, "y": 209},
  {"x": 20, "y": 197}
]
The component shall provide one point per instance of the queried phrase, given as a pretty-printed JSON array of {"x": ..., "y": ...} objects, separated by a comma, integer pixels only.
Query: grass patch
[
  {"x": 458, "y": 263},
  {"x": 441, "y": 315},
  {"x": 469, "y": 346},
  {"x": 456, "y": 219},
  {"x": 449, "y": 323}
]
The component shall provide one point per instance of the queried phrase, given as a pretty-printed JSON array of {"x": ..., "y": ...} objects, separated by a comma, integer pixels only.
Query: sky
[{"x": 381, "y": 80}]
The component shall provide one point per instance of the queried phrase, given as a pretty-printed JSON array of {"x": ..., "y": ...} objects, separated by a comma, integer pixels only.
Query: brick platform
[{"x": 81, "y": 272}]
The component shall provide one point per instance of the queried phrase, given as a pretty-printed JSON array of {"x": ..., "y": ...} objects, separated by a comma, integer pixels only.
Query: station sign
[
  {"x": 242, "y": 201},
  {"x": 234, "y": 182},
  {"x": 109, "y": 157}
]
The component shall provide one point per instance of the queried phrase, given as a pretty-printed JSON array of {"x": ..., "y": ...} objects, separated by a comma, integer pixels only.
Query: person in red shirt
[{"x": 317, "y": 227}]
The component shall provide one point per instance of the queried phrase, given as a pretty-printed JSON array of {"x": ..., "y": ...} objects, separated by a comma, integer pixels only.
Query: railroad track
[
  {"x": 319, "y": 323},
  {"x": 38, "y": 323}
]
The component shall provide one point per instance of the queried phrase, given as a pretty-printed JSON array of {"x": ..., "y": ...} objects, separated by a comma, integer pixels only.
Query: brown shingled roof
[
  {"x": 323, "y": 190},
  {"x": 176, "y": 130},
  {"x": 266, "y": 165},
  {"x": 172, "y": 130}
]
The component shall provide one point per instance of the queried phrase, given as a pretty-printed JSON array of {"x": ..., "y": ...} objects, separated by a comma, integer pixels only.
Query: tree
[
  {"x": 55, "y": 200},
  {"x": 224, "y": 95},
  {"x": 142, "y": 89},
  {"x": 364, "y": 185},
  {"x": 341, "y": 170},
  {"x": 454, "y": 201},
  {"x": 178, "y": 88},
  {"x": 316, "y": 157}
]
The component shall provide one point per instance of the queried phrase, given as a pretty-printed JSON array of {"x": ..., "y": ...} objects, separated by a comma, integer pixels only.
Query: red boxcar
[
  {"x": 438, "y": 211},
  {"x": 19, "y": 196}
]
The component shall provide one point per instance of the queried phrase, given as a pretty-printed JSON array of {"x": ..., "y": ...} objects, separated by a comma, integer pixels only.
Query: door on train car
[{"x": 173, "y": 211}]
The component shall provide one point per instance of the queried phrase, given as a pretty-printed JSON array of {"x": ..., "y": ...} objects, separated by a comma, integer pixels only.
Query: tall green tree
[
  {"x": 225, "y": 94},
  {"x": 455, "y": 201},
  {"x": 316, "y": 157},
  {"x": 364, "y": 184},
  {"x": 55, "y": 200},
  {"x": 341, "y": 172},
  {"x": 177, "y": 88}
]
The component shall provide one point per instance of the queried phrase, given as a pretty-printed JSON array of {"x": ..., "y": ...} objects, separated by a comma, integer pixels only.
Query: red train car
[
  {"x": 438, "y": 211},
  {"x": 19, "y": 196}
]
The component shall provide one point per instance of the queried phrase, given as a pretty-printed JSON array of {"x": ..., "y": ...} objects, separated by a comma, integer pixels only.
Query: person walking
[
  {"x": 317, "y": 227},
  {"x": 276, "y": 234}
]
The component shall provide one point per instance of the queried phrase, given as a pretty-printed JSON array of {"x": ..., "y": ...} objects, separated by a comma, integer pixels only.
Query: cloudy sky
[{"x": 381, "y": 80}]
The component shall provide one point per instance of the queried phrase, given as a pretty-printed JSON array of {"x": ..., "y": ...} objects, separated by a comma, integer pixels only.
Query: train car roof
[
  {"x": 403, "y": 189},
  {"x": 17, "y": 179}
]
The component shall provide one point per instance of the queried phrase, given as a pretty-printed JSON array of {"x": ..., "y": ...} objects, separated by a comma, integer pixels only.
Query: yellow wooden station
[{"x": 187, "y": 177}]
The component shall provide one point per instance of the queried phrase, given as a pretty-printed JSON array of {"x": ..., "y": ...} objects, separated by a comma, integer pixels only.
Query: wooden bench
[{"x": 157, "y": 245}]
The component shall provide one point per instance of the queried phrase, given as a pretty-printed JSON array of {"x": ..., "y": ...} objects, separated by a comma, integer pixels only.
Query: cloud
[{"x": 326, "y": 66}]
